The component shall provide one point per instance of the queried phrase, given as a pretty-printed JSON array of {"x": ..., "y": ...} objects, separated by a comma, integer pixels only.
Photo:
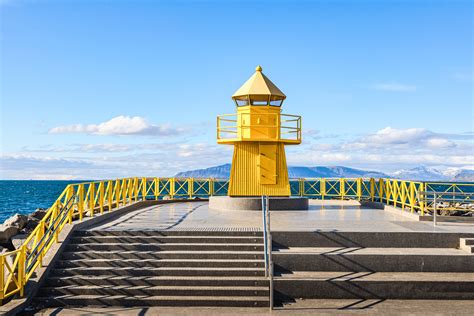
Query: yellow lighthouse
[{"x": 259, "y": 133}]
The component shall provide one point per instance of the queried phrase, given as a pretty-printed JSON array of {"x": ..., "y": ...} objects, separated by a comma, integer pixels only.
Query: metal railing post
[
  {"x": 435, "y": 211},
  {"x": 269, "y": 249},
  {"x": 264, "y": 226}
]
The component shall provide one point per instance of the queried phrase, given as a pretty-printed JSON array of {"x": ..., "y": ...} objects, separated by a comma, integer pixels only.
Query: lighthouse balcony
[{"x": 259, "y": 127}]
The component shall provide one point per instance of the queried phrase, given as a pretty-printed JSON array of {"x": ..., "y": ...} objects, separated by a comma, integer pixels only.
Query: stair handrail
[
  {"x": 267, "y": 242},
  {"x": 440, "y": 196}
]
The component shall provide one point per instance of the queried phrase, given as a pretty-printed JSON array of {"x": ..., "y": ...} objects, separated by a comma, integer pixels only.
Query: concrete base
[{"x": 255, "y": 203}]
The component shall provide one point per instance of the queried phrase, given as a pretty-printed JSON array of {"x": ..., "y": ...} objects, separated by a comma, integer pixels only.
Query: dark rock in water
[
  {"x": 39, "y": 213},
  {"x": 17, "y": 220},
  {"x": 30, "y": 225}
]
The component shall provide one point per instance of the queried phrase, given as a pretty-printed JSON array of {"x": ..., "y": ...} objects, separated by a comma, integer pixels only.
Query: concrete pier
[{"x": 188, "y": 254}]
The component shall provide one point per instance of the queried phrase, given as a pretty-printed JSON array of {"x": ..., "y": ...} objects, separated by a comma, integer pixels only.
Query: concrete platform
[
  {"x": 230, "y": 203},
  {"x": 329, "y": 215}
]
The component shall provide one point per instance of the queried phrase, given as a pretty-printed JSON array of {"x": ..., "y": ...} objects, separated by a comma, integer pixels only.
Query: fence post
[
  {"x": 91, "y": 198},
  {"x": 372, "y": 189},
  {"x": 41, "y": 231},
  {"x": 21, "y": 269},
  {"x": 55, "y": 215},
  {"x": 403, "y": 193},
  {"x": 301, "y": 187},
  {"x": 381, "y": 187},
  {"x": 69, "y": 195},
  {"x": 156, "y": 187},
  {"x": 171, "y": 181},
  {"x": 211, "y": 186},
  {"x": 422, "y": 201},
  {"x": 80, "y": 205},
  {"x": 342, "y": 188},
  {"x": 101, "y": 196},
  {"x": 144, "y": 188},
  {"x": 2, "y": 277},
  {"x": 190, "y": 187},
  {"x": 359, "y": 189},
  {"x": 110, "y": 194}
]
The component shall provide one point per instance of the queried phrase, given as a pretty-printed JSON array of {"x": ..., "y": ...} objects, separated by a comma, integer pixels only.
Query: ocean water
[{"x": 25, "y": 197}]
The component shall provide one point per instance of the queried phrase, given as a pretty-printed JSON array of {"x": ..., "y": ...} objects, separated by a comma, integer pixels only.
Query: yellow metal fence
[{"x": 88, "y": 199}]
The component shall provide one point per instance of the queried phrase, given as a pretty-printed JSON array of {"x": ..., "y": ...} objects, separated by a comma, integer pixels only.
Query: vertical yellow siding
[{"x": 245, "y": 173}]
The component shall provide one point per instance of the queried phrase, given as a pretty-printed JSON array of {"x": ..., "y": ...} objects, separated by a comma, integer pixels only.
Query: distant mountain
[
  {"x": 464, "y": 175},
  {"x": 218, "y": 172},
  {"x": 423, "y": 173},
  {"x": 420, "y": 173},
  {"x": 223, "y": 172}
]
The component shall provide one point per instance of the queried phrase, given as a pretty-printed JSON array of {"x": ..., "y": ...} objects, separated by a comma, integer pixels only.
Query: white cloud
[
  {"x": 386, "y": 150},
  {"x": 120, "y": 125},
  {"x": 389, "y": 149},
  {"x": 394, "y": 87}
]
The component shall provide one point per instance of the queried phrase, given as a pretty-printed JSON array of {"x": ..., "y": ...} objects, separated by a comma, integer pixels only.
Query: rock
[
  {"x": 17, "y": 220},
  {"x": 39, "y": 213},
  {"x": 166, "y": 197},
  {"x": 445, "y": 212},
  {"x": 30, "y": 225},
  {"x": 18, "y": 240},
  {"x": 7, "y": 232}
]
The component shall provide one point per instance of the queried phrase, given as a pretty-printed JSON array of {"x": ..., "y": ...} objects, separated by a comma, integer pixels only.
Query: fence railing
[
  {"x": 88, "y": 199},
  {"x": 259, "y": 126}
]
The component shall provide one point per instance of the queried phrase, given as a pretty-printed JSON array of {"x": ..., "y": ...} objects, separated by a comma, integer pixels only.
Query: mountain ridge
[{"x": 420, "y": 173}]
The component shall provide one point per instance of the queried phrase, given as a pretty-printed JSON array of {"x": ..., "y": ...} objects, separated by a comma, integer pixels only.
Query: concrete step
[
  {"x": 374, "y": 285},
  {"x": 121, "y": 300},
  {"x": 163, "y": 247},
  {"x": 467, "y": 241},
  {"x": 165, "y": 271},
  {"x": 155, "y": 263},
  {"x": 146, "y": 290},
  {"x": 167, "y": 239},
  {"x": 467, "y": 245},
  {"x": 373, "y": 259},
  {"x": 130, "y": 281},
  {"x": 368, "y": 239},
  {"x": 243, "y": 255},
  {"x": 134, "y": 233}
]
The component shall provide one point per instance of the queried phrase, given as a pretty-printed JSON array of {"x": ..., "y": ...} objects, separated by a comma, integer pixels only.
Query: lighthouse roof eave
[{"x": 259, "y": 84}]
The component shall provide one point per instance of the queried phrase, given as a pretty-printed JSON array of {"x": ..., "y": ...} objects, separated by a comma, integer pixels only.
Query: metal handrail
[
  {"x": 438, "y": 196},
  {"x": 267, "y": 243}
]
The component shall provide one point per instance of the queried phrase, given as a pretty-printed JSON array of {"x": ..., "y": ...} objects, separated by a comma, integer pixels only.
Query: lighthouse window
[
  {"x": 276, "y": 101},
  {"x": 259, "y": 99},
  {"x": 241, "y": 101}
]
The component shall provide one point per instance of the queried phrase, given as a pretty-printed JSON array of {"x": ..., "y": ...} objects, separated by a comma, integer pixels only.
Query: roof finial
[{"x": 259, "y": 68}]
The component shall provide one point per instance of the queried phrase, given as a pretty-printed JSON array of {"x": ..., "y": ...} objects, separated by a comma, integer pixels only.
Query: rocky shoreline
[{"x": 16, "y": 229}]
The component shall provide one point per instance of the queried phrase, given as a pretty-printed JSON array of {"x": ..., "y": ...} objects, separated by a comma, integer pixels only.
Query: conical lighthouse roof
[{"x": 259, "y": 84}]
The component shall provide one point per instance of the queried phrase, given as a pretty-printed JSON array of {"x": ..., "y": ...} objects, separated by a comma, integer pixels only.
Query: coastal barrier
[{"x": 92, "y": 198}]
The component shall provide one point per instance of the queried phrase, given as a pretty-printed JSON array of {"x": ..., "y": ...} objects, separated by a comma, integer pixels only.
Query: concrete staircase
[
  {"x": 159, "y": 268},
  {"x": 467, "y": 244},
  {"x": 361, "y": 265}
]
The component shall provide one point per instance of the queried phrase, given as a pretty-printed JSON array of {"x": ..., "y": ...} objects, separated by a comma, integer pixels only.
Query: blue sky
[{"x": 100, "y": 89}]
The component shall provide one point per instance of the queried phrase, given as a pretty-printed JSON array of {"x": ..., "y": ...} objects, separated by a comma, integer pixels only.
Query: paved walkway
[
  {"x": 302, "y": 307},
  {"x": 322, "y": 215}
]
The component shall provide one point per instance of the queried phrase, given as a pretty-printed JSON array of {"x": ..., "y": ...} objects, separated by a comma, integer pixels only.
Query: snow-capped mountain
[
  {"x": 420, "y": 173},
  {"x": 223, "y": 172},
  {"x": 423, "y": 173}
]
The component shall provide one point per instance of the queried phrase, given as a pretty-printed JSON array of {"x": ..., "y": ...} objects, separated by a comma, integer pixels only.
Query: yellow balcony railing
[{"x": 271, "y": 127}]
